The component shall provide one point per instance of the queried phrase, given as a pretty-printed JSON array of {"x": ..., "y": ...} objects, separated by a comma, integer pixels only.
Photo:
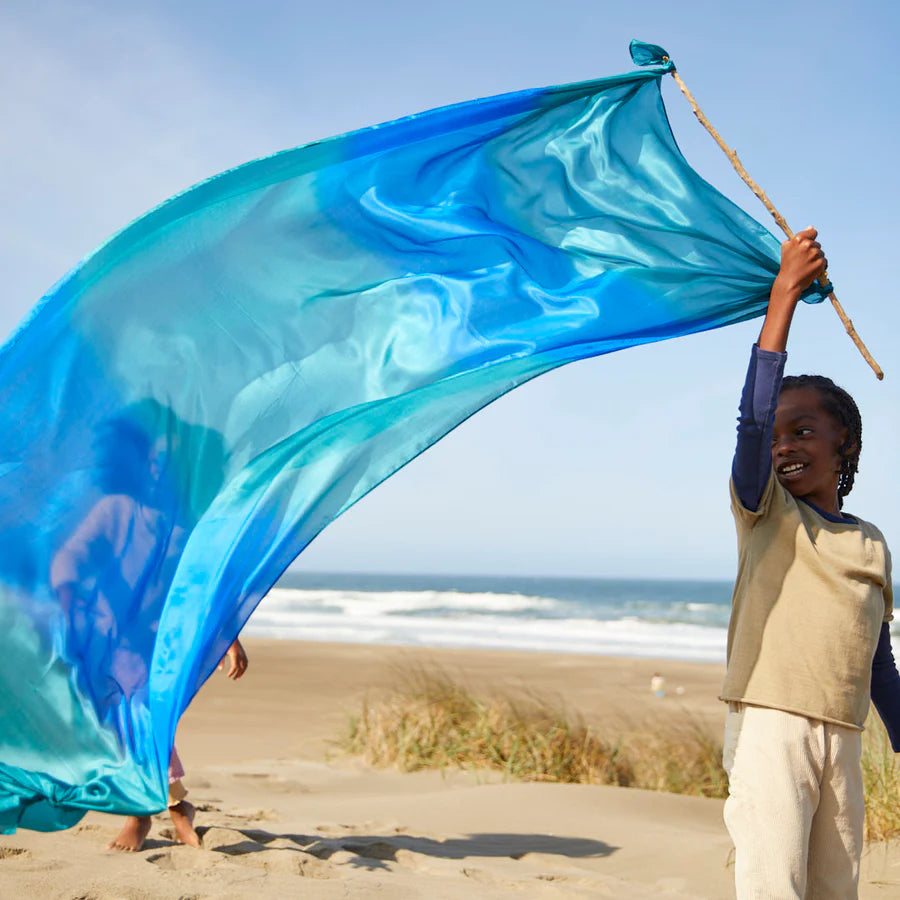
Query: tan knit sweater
[{"x": 807, "y": 610}]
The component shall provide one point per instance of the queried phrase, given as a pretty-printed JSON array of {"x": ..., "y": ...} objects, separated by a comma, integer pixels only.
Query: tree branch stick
[{"x": 848, "y": 325}]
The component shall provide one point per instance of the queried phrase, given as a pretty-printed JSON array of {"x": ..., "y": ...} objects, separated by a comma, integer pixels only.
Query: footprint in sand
[
  {"x": 257, "y": 849},
  {"x": 207, "y": 806},
  {"x": 22, "y": 861},
  {"x": 448, "y": 868},
  {"x": 430, "y": 865},
  {"x": 481, "y": 876},
  {"x": 323, "y": 849},
  {"x": 294, "y": 862},
  {"x": 276, "y": 783},
  {"x": 118, "y": 894},
  {"x": 334, "y": 829},
  {"x": 362, "y": 828},
  {"x": 372, "y": 849},
  {"x": 180, "y": 859},
  {"x": 551, "y": 881},
  {"x": 252, "y": 815},
  {"x": 229, "y": 841}
]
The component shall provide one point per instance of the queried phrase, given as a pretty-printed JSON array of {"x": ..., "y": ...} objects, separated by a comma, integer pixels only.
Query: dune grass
[
  {"x": 881, "y": 780},
  {"x": 433, "y": 721}
]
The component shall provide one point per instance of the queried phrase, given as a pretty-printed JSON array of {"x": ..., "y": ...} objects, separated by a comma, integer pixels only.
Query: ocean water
[{"x": 683, "y": 620}]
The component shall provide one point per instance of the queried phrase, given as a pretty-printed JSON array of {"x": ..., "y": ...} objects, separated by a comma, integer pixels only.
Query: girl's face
[{"x": 805, "y": 443}]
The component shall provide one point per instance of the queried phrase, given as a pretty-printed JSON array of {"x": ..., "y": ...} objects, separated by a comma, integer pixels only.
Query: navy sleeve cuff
[{"x": 886, "y": 687}]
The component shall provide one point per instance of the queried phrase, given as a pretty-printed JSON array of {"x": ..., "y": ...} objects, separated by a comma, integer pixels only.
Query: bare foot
[
  {"x": 183, "y": 819},
  {"x": 133, "y": 834}
]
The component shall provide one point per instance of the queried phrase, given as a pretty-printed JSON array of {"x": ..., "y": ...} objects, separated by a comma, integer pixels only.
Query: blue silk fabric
[{"x": 194, "y": 402}]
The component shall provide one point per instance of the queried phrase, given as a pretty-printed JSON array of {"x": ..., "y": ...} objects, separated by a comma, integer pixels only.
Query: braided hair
[{"x": 843, "y": 409}]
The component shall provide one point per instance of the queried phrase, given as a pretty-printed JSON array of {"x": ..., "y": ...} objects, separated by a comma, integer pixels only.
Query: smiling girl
[{"x": 808, "y": 641}]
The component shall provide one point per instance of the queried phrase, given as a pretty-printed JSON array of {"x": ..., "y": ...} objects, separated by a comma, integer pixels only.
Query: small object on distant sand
[
  {"x": 680, "y": 690},
  {"x": 658, "y": 685}
]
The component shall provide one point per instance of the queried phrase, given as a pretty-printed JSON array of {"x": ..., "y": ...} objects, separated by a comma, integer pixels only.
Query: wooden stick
[{"x": 848, "y": 325}]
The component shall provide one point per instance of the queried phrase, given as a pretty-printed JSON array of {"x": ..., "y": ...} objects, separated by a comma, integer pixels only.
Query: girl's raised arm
[{"x": 802, "y": 261}]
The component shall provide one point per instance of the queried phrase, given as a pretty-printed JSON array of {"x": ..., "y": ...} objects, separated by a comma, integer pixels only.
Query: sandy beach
[{"x": 283, "y": 813}]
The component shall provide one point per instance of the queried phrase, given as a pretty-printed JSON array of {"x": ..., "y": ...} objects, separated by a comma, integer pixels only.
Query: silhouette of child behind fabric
[{"x": 112, "y": 576}]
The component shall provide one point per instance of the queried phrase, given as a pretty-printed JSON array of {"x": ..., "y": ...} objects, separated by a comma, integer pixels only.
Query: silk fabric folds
[{"x": 186, "y": 409}]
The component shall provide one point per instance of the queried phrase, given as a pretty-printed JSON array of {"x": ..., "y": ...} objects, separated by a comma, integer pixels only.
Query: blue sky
[{"x": 616, "y": 466}]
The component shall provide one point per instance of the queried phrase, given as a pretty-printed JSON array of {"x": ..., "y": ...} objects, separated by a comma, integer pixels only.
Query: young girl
[
  {"x": 808, "y": 642},
  {"x": 136, "y": 828}
]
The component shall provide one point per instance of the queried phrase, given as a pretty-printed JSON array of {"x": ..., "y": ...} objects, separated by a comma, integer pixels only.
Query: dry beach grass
[
  {"x": 881, "y": 777},
  {"x": 431, "y": 720}
]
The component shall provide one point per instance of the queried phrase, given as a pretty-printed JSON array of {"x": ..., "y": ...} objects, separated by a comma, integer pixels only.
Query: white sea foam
[
  {"x": 354, "y": 603},
  {"x": 490, "y": 621}
]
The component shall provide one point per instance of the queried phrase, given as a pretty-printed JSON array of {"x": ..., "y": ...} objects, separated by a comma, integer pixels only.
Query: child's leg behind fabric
[
  {"x": 836, "y": 839},
  {"x": 177, "y": 791},
  {"x": 774, "y": 762},
  {"x": 136, "y": 828},
  {"x": 181, "y": 811}
]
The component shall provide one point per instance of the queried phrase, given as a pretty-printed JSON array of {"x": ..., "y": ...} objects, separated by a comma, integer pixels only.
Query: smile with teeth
[{"x": 791, "y": 468}]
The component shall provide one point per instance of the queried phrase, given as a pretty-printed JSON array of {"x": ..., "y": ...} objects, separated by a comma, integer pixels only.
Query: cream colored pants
[{"x": 795, "y": 809}]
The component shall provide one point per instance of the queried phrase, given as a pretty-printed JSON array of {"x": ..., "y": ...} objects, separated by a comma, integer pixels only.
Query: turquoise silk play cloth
[{"x": 187, "y": 408}]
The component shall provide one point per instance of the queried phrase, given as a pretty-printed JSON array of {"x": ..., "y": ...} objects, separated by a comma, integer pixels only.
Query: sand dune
[{"x": 279, "y": 817}]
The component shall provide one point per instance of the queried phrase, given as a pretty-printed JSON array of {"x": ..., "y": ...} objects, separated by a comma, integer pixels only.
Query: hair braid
[{"x": 843, "y": 409}]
